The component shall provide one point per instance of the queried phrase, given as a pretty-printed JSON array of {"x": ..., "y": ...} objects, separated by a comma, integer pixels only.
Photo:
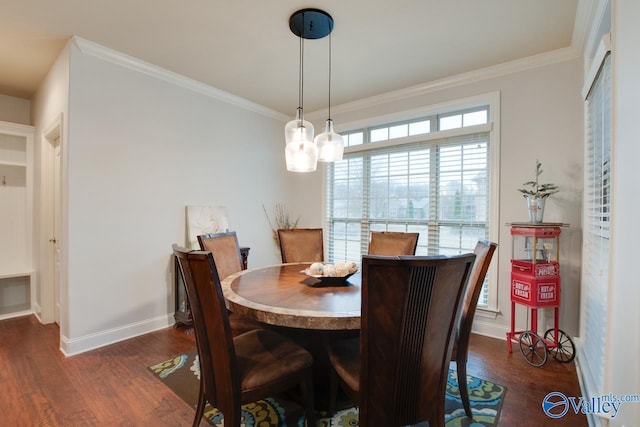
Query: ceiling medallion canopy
[{"x": 311, "y": 24}]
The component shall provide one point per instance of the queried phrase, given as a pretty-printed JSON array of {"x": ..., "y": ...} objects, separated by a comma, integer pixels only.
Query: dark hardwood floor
[{"x": 112, "y": 386}]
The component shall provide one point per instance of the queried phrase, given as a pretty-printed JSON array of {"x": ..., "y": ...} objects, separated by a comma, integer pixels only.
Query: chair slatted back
[{"x": 409, "y": 307}]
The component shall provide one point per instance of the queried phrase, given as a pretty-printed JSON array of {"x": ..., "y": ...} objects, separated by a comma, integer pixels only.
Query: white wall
[
  {"x": 15, "y": 110},
  {"x": 138, "y": 149},
  {"x": 541, "y": 117}
]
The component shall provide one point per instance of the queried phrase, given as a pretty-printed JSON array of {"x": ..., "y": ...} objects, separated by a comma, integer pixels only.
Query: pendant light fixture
[
  {"x": 301, "y": 151},
  {"x": 301, "y": 154},
  {"x": 330, "y": 144}
]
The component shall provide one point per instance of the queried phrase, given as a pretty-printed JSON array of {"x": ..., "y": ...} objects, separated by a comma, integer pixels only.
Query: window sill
[{"x": 487, "y": 313}]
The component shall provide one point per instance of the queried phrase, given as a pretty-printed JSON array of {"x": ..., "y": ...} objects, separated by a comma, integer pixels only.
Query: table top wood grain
[{"x": 284, "y": 296}]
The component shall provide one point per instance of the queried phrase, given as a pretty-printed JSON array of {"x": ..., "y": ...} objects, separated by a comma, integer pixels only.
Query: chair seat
[
  {"x": 345, "y": 359},
  {"x": 265, "y": 357}
]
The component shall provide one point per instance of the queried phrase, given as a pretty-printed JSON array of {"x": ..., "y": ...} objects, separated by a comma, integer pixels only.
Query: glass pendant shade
[
  {"x": 298, "y": 129},
  {"x": 301, "y": 153},
  {"x": 330, "y": 144}
]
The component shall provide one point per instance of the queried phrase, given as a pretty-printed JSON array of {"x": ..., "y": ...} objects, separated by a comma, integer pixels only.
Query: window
[
  {"x": 597, "y": 210},
  {"x": 413, "y": 176}
]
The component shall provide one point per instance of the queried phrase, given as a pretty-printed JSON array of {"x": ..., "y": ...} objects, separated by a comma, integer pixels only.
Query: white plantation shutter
[
  {"x": 592, "y": 343},
  {"x": 346, "y": 204},
  {"x": 438, "y": 187}
]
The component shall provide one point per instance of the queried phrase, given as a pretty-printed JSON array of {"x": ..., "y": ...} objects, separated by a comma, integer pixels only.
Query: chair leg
[
  {"x": 232, "y": 417},
  {"x": 461, "y": 368},
  {"x": 438, "y": 419},
  {"x": 202, "y": 402},
  {"x": 306, "y": 386}
]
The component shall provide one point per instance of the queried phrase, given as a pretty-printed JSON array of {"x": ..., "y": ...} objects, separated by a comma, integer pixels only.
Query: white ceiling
[{"x": 245, "y": 47}]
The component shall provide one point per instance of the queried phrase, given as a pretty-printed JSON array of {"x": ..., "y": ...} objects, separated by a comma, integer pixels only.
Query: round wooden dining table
[{"x": 283, "y": 295}]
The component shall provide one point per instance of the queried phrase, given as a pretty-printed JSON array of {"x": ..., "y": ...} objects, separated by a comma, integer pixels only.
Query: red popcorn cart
[{"x": 535, "y": 284}]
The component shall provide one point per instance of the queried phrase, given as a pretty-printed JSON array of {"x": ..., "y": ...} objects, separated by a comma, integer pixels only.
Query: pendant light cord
[
  {"x": 301, "y": 76},
  {"x": 329, "y": 114}
]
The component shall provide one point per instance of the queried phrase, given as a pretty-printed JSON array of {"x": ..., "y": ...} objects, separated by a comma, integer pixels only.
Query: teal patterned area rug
[{"x": 182, "y": 375}]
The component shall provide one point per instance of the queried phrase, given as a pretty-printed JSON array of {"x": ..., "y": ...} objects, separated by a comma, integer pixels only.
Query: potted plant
[{"x": 536, "y": 193}]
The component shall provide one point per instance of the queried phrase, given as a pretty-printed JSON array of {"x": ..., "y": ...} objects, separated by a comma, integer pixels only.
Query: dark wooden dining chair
[
  {"x": 396, "y": 372},
  {"x": 226, "y": 255},
  {"x": 392, "y": 243},
  {"x": 241, "y": 369},
  {"x": 301, "y": 245},
  {"x": 484, "y": 252}
]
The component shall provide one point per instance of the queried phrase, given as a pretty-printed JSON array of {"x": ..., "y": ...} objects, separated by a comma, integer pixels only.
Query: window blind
[
  {"x": 439, "y": 188},
  {"x": 597, "y": 208}
]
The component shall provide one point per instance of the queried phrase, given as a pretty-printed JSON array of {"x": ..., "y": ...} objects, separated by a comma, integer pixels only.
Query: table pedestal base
[{"x": 316, "y": 342}]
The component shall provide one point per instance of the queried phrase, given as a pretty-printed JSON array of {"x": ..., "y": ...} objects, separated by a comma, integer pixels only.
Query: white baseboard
[
  {"x": 490, "y": 329},
  {"x": 587, "y": 383},
  {"x": 37, "y": 311},
  {"x": 16, "y": 314},
  {"x": 85, "y": 343}
]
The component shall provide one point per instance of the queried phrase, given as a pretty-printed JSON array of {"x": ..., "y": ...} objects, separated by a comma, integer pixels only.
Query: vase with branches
[{"x": 281, "y": 220}]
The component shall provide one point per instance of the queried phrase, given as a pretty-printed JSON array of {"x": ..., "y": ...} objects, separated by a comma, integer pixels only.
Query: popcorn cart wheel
[
  {"x": 561, "y": 348},
  {"x": 535, "y": 349}
]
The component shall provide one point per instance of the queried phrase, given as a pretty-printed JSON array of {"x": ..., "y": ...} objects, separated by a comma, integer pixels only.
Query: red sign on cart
[
  {"x": 535, "y": 291},
  {"x": 521, "y": 290},
  {"x": 547, "y": 292}
]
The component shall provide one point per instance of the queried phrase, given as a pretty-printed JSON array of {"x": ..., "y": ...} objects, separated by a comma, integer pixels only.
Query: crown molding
[
  {"x": 119, "y": 58},
  {"x": 524, "y": 64},
  {"x": 597, "y": 12},
  {"x": 581, "y": 25},
  {"x": 499, "y": 70}
]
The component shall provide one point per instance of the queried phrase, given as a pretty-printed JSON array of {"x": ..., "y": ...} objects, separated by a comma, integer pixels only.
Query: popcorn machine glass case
[{"x": 535, "y": 271}]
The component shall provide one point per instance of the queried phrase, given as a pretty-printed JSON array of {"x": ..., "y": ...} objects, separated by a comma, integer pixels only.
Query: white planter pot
[{"x": 536, "y": 208}]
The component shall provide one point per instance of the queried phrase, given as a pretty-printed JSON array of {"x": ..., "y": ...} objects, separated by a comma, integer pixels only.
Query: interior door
[{"x": 57, "y": 208}]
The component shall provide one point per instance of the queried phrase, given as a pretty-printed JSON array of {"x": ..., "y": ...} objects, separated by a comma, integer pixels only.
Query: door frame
[{"x": 51, "y": 136}]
